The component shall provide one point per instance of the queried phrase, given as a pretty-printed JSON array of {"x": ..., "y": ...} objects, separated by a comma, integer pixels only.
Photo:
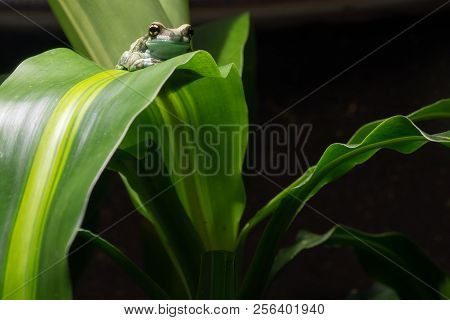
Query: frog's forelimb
[
  {"x": 143, "y": 63},
  {"x": 138, "y": 57}
]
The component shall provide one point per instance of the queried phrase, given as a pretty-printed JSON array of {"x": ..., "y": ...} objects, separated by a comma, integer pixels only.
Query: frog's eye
[
  {"x": 154, "y": 30},
  {"x": 190, "y": 32}
]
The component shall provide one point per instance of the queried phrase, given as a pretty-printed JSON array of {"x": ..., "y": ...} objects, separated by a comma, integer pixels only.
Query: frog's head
[{"x": 165, "y": 43}]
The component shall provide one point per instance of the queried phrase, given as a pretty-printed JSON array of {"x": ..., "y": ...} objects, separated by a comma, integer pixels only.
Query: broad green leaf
[
  {"x": 61, "y": 119},
  {"x": 225, "y": 39},
  {"x": 104, "y": 29},
  {"x": 389, "y": 258},
  {"x": 217, "y": 276},
  {"x": 397, "y": 133},
  {"x": 212, "y": 191},
  {"x": 141, "y": 278}
]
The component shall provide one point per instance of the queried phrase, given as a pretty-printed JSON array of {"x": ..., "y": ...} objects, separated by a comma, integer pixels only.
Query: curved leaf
[
  {"x": 395, "y": 261},
  {"x": 389, "y": 258},
  {"x": 141, "y": 278},
  {"x": 396, "y": 133},
  {"x": 104, "y": 29},
  {"x": 61, "y": 119},
  {"x": 304, "y": 240},
  {"x": 225, "y": 39},
  {"x": 438, "y": 110}
]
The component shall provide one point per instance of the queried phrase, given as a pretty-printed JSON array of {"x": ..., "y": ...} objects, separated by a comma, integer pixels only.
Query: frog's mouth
[{"x": 167, "y": 49}]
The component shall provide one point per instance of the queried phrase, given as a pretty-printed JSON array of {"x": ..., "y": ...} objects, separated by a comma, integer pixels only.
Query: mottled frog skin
[{"x": 159, "y": 44}]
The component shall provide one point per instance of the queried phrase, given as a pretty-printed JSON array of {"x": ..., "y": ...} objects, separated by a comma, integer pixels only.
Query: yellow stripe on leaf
[{"x": 51, "y": 156}]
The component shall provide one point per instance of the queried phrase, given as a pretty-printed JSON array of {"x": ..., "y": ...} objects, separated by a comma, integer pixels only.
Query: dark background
[{"x": 296, "y": 54}]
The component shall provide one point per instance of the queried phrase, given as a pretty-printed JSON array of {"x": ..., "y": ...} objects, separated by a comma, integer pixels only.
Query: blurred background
[{"x": 300, "y": 46}]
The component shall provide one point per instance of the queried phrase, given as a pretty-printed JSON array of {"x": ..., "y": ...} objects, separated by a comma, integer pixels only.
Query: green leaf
[
  {"x": 141, "y": 278},
  {"x": 308, "y": 240},
  {"x": 224, "y": 39},
  {"x": 438, "y": 110},
  {"x": 61, "y": 119},
  {"x": 177, "y": 11},
  {"x": 205, "y": 119},
  {"x": 397, "y": 133},
  {"x": 217, "y": 276},
  {"x": 397, "y": 262},
  {"x": 389, "y": 258},
  {"x": 104, "y": 29},
  {"x": 304, "y": 240}
]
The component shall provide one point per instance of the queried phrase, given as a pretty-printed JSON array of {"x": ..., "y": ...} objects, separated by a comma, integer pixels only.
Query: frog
[{"x": 159, "y": 44}]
